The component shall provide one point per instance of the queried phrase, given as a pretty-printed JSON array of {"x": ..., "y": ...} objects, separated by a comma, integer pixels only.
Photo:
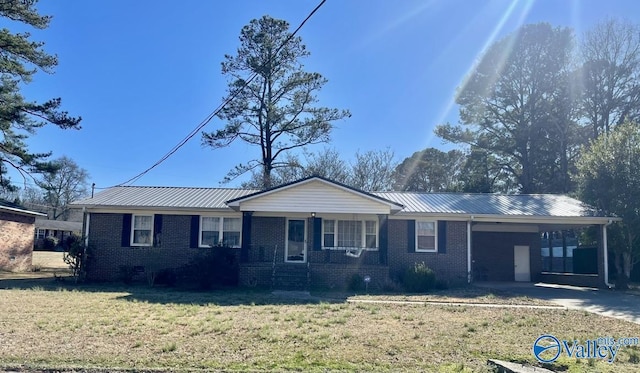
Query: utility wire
[{"x": 219, "y": 108}]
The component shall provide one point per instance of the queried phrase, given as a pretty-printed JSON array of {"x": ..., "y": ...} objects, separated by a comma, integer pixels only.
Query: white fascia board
[
  {"x": 518, "y": 219},
  {"x": 22, "y": 212}
]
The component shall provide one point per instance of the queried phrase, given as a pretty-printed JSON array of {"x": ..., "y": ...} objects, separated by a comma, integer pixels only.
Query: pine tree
[{"x": 20, "y": 59}]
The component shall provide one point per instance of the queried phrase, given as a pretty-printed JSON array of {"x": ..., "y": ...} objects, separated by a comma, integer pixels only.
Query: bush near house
[
  {"x": 419, "y": 279},
  {"x": 216, "y": 268},
  {"x": 49, "y": 243}
]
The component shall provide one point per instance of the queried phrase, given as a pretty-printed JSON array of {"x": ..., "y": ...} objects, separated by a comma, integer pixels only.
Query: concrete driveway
[{"x": 604, "y": 302}]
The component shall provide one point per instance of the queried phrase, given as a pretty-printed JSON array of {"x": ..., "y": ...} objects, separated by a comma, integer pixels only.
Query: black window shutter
[
  {"x": 246, "y": 236},
  {"x": 126, "y": 230},
  {"x": 411, "y": 236},
  {"x": 317, "y": 234},
  {"x": 195, "y": 231},
  {"x": 383, "y": 234},
  {"x": 442, "y": 236},
  {"x": 157, "y": 230}
]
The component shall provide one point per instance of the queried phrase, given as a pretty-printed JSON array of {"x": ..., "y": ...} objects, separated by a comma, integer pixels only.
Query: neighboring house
[
  {"x": 317, "y": 232},
  {"x": 16, "y": 236},
  {"x": 57, "y": 229}
]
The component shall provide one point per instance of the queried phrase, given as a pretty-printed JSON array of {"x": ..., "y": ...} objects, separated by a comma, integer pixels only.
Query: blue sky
[{"x": 145, "y": 73}]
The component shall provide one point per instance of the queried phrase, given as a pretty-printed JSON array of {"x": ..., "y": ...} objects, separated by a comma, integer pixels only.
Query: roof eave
[
  {"x": 529, "y": 219},
  {"x": 21, "y": 211},
  {"x": 394, "y": 207}
]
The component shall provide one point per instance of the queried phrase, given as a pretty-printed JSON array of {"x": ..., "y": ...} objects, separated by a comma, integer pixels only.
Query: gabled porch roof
[{"x": 315, "y": 194}]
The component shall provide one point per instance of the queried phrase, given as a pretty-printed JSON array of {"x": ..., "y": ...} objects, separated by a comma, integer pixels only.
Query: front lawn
[{"x": 143, "y": 328}]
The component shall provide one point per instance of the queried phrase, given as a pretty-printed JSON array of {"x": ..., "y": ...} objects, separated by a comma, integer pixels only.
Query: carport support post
[
  {"x": 605, "y": 248},
  {"x": 469, "y": 250}
]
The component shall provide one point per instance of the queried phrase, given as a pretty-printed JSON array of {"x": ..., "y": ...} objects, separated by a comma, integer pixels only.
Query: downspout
[
  {"x": 469, "y": 277},
  {"x": 606, "y": 253},
  {"x": 86, "y": 226}
]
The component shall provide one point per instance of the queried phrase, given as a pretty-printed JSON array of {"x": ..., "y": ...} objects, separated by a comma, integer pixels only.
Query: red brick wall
[
  {"x": 16, "y": 241},
  {"x": 450, "y": 266}
]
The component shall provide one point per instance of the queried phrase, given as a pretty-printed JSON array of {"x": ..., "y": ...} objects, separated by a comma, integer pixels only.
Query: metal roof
[
  {"x": 540, "y": 205},
  {"x": 164, "y": 197},
  {"x": 491, "y": 204}
]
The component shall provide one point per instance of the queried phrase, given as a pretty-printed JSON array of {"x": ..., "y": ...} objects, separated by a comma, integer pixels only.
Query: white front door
[
  {"x": 521, "y": 267},
  {"x": 296, "y": 246}
]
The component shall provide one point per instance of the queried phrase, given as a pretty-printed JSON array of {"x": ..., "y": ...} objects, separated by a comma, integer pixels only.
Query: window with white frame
[
  {"x": 40, "y": 233},
  {"x": 371, "y": 234},
  {"x": 329, "y": 233},
  {"x": 141, "y": 232},
  {"x": 216, "y": 230},
  {"x": 231, "y": 228},
  {"x": 425, "y": 235},
  {"x": 350, "y": 233}
]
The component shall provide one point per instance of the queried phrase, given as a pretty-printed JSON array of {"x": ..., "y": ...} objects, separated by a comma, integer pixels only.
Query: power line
[{"x": 219, "y": 108}]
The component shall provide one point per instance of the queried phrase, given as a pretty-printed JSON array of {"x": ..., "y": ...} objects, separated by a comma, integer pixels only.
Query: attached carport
[
  {"x": 506, "y": 235},
  {"x": 540, "y": 248}
]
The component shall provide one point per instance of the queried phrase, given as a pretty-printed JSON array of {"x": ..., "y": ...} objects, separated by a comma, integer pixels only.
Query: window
[
  {"x": 329, "y": 233},
  {"x": 209, "y": 231},
  {"x": 371, "y": 234},
  {"x": 141, "y": 232},
  {"x": 231, "y": 232},
  {"x": 425, "y": 235},
  {"x": 216, "y": 230},
  {"x": 350, "y": 233},
  {"x": 40, "y": 233}
]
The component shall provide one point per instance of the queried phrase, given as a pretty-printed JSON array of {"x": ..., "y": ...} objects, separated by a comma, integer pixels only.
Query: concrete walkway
[{"x": 604, "y": 302}]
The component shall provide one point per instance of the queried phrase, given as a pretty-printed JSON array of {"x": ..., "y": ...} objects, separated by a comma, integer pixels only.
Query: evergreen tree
[{"x": 20, "y": 59}]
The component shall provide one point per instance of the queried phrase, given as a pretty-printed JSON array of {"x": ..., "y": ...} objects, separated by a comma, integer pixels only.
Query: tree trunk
[{"x": 622, "y": 279}]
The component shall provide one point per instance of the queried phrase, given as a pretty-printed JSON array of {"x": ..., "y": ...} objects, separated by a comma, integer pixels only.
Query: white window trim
[
  {"x": 435, "y": 236},
  {"x": 133, "y": 224},
  {"x": 363, "y": 238},
  {"x": 220, "y": 230}
]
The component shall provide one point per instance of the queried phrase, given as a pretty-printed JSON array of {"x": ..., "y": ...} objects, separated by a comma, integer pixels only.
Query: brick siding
[
  {"x": 327, "y": 268},
  {"x": 108, "y": 255},
  {"x": 16, "y": 241},
  {"x": 450, "y": 266},
  {"x": 493, "y": 258}
]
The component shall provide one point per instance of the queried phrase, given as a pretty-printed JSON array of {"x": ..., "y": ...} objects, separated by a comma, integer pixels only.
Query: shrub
[
  {"x": 166, "y": 277},
  {"x": 76, "y": 255},
  {"x": 391, "y": 286},
  {"x": 126, "y": 273},
  {"x": 49, "y": 243},
  {"x": 355, "y": 283},
  {"x": 213, "y": 268},
  {"x": 419, "y": 279}
]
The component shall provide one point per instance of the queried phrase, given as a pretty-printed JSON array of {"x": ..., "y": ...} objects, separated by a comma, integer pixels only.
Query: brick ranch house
[
  {"x": 319, "y": 233},
  {"x": 17, "y": 227}
]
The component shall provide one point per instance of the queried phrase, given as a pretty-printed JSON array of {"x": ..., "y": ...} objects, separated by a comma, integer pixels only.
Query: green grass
[{"x": 142, "y": 328}]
